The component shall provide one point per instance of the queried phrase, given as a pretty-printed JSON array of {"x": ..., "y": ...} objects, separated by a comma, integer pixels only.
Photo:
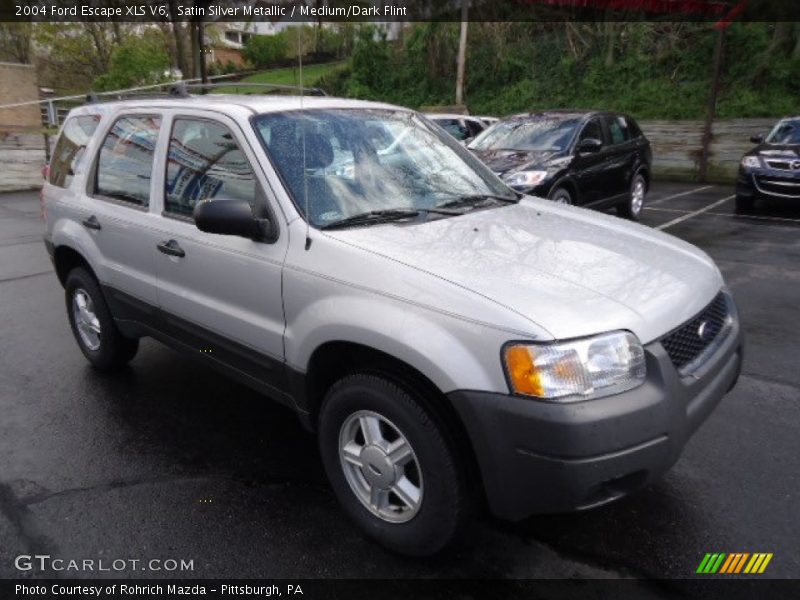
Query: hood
[
  {"x": 503, "y": 161},
  {"x": 571, "y": 271}
]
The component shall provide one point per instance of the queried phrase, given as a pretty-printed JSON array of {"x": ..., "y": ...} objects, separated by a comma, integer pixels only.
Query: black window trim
[{"x": 91, "y": 181}]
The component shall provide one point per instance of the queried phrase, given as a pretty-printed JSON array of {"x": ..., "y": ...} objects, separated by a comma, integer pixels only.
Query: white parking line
[
  {"x": 695, "y": 213},
  {"x": 700, "y": 189},
  {"x": 733, "y": 215}
]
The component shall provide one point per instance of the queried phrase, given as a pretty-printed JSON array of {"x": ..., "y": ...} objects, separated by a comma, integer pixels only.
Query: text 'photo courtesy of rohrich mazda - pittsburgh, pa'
[{"x": 468, "y": 296}]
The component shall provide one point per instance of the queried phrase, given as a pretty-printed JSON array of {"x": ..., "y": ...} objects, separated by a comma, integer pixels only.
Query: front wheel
[
  {"x": 391, "y": 466},
  {"x": 632, "y": 208},
  {"x": 745, "y": 204},
  {"x": 561, "y": 196}
]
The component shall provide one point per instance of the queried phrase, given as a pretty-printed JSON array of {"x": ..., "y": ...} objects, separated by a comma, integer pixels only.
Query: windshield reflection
[{"x": 341, "y": 163}]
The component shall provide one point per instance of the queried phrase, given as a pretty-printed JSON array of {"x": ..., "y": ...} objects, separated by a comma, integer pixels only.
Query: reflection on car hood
[
  {"x": 571, "y": 271},
  {"x": 503, "y": 161}
]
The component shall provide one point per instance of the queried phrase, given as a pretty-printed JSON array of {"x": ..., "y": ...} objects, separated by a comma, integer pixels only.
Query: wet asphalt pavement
[{"x": 168, "y": 460}]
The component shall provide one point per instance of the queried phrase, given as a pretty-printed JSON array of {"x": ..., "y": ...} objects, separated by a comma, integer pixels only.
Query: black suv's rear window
[{"x": 76, "y": 133}]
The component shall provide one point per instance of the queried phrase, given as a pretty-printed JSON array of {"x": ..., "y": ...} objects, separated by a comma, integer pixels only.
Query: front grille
[
  {"x": 784, "y": 164},
  {"x": 687, "y": 342},
  {"x": 787, "y": 188}
]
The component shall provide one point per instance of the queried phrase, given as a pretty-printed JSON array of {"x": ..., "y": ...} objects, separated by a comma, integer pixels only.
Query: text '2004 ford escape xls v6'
[{"x": 451, "y": 341}]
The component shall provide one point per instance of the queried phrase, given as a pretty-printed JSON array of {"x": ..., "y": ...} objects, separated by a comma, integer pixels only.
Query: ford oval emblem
[{"x": 796, "y": 165}]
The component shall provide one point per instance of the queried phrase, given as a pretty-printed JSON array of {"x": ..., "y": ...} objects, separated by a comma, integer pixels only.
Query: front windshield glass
[
  {"x": 358, "y": 161},
  {"x": 785, "y": 132},
  {"x": 530, "y": 135}
]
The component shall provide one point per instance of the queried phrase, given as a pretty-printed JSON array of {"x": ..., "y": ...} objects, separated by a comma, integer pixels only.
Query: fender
[{"x": 451, "y": 352}]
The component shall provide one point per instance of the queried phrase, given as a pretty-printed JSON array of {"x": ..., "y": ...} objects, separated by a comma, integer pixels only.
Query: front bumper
[
  {"x": 540, "y": 457},
  {"x": 764, "y": 184}
]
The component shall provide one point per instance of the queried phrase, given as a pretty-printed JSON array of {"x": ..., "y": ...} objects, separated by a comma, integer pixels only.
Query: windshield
[
  {"x": 785, "y": 132},
  {"x": 531, "y": 135},
  {"x": 358, "y": 161}
]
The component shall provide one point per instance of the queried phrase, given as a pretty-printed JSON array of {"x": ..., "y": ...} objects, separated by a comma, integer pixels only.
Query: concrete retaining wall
[{"x": 677, "y": 146}]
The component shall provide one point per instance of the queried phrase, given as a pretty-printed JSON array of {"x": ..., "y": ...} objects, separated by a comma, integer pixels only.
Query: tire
[
  {"x": 433, "y": 471},
  {"x": 561, "y": 195},
  {"x": 634, "y": 205},
  {"x": 745, "y": 205},
  {"x": 93, "y": 326}
]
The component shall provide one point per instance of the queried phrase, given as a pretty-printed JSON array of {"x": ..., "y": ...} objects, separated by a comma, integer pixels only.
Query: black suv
[
  {"x": 771, "y": 169},
  {"x": 596, "y": 159}
]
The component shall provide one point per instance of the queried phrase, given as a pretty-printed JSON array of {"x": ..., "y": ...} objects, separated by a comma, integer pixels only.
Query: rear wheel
[
  {"x": 632, "y": 209},
  {"x": 745, "y": 204},
  {"x": 92, "y": 324},
  {"x": 391, "y": 465},
  {"x": 561, "y": 196}
]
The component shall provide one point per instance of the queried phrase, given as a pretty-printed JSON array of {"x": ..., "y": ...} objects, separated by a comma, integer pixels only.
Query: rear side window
[
  {"x": 125, "y": 164},
  {"x": 70, "y": 147},
  {"x": 618, "y": 129},
  {"x": 205, "y": 163}
]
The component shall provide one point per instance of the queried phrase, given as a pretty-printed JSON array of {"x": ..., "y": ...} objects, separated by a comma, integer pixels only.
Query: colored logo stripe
[{"x": 733, "y": 563}]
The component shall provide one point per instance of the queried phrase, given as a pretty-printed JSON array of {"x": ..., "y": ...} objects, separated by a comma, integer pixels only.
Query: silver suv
[{"x": 453, "y": 343}]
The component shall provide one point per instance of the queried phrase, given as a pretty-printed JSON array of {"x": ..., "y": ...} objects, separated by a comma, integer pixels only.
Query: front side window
[
  {"x": 454, "y": 128},
  {"x": 70, "y": 147},
  {"x": 535, "y": 134},
  {"x": 342, "y": 163},
  {"x": 592, "y": 131},
  {"x": 205, "y": 163},
  {"x": 125, "y": 164}
]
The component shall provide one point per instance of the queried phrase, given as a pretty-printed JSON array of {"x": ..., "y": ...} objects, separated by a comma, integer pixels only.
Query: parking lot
[{"x": 168, "y": 460}]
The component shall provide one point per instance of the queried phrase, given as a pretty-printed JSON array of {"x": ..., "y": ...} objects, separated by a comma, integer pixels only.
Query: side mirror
[
  {"x": 757, "y": 139},
  {"x": 230, "y": 217},
  {"x": 590, "y": 146}
]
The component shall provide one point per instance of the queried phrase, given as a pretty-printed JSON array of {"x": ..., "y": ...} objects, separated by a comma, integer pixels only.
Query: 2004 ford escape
[{"x": 452, "y": 342}]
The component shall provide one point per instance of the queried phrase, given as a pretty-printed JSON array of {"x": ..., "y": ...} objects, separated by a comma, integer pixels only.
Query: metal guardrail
[{"x": 54, "y": 110}]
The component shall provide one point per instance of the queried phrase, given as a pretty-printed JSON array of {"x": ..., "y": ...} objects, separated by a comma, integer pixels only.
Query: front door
[
  {"x": 219, "y": 293},
  {"x": 590, "y": 167}
]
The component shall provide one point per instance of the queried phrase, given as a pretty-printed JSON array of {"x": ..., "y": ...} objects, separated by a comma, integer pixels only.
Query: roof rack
[{"x": 183, "y": 89}]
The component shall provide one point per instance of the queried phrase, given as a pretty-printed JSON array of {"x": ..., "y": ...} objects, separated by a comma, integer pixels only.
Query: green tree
[
  {"x": 138, "y": 61},
  {"x": 266, "y": 50}
]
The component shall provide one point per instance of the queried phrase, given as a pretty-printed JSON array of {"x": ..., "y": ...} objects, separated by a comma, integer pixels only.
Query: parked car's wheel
[
  {"x": 391, "y": 465},
  {"x": 745, "y": 204},
  {"x": 561, "y": 195},
  {"x": 633, "y": 206},
  {"x": 92, "y": 325}
]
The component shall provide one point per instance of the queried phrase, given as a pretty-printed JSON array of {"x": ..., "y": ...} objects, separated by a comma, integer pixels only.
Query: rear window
[
  {"x": 618, "y": 129},
  {"x": 125, "y": 164},
  {"x": 75, "y": 135}
]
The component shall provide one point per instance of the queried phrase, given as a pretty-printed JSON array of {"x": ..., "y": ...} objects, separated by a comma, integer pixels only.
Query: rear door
[
  {"x": 219, "y": 294},
  {"x": 117, "y": 214},
  {"x": 621, "y": 156}
]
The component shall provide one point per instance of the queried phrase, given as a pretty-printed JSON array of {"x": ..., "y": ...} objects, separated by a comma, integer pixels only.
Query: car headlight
[
  {"x": 526, "y": 178},
  {"x": 572, "y": 371},
  {"x": 751, "y": 162}
]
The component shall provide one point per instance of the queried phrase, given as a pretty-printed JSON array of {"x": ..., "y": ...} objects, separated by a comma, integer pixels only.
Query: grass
[{"x": 286, "y": 76}]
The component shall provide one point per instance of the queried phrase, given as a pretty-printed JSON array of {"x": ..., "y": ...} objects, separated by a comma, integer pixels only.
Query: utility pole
[
  {"x": 711, "y": 114},
  {"x": 462, "y": 53},
  {"x": 201, "y": 44}
]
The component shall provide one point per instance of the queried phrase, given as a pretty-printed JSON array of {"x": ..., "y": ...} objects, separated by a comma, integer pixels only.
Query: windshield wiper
[
  {"x": 476, "y": 200},
  {"x": 374, "y": 216}
]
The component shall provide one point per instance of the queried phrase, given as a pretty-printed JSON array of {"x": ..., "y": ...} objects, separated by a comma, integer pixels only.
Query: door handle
[
  {"x": 92, "y": 223},
  {"x": 172, "y": 248}
]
